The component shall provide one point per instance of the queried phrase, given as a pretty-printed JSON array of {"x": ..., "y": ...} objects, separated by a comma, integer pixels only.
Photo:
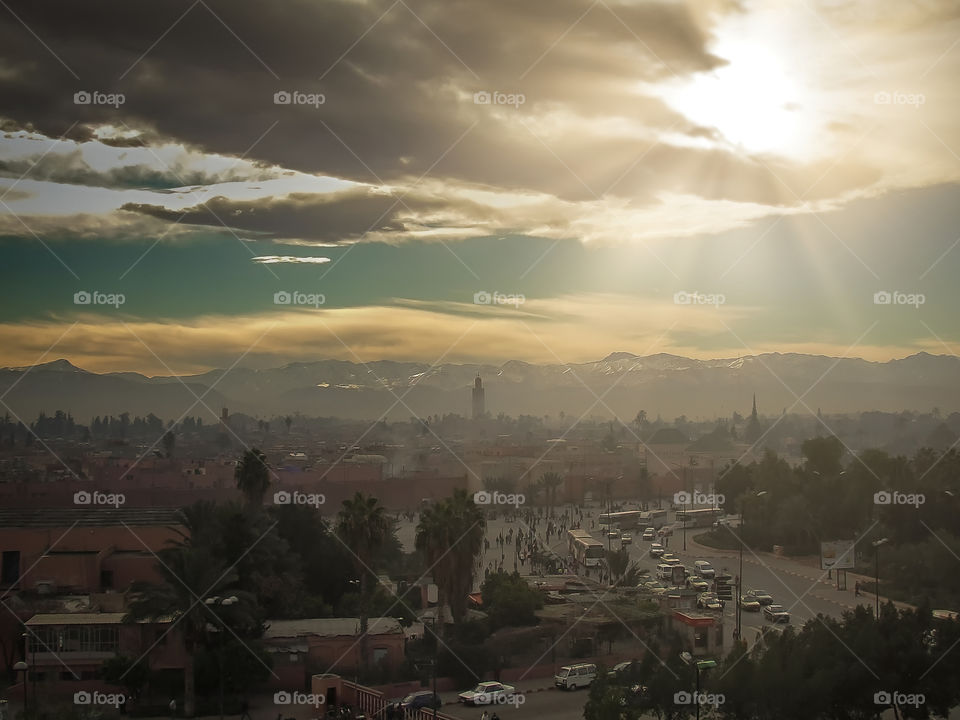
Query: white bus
[
  {"x": 624, "y": 519},
  {"x": 653, "y": 518},
  {"x": 702, "y": 517},
  {"x": 585, "y": 549}
]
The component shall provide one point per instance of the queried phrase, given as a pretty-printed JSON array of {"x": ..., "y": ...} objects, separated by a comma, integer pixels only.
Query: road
[{"x": 552, "y": 704}]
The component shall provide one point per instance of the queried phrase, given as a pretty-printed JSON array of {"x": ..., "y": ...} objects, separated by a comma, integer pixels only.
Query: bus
[
  {"x": 652, "y": 518},
  {"x": 624, "y": 519},
  {"x": 585, "y": 549},
  {"x": 702, "y": 517}
]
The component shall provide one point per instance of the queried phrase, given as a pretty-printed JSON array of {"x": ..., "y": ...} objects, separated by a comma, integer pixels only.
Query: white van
[
  {"x": 664, "y": 571},
  {"x": 704, "y": 569},
  {"x": 571, "y": 677}
]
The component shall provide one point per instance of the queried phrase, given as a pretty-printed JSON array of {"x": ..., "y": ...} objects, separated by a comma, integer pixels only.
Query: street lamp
[
  {"x": 876, "y": 569},
  {"x": 698, "y": 665},
  {"x": 21, "y": 666},
  {"x": 743, "y": 508},
  {"x": 220, "y": 602}
]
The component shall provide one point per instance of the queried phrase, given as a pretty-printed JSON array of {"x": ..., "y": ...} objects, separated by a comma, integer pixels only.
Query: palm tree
[
  {"x": 363, "y": 527},
  {"x": 253, "y": 478},
  {"x": 191, "y": 575},
  {"x": 550, "y": 481},
  {"x": 450, "y": 535}
]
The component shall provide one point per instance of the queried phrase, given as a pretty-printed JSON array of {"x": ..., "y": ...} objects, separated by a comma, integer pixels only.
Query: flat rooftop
[{"x": 87, "y": 516}]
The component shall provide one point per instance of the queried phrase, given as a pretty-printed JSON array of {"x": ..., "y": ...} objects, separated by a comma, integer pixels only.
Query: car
[
  {"x": 709, "y": 601},
  {"x": 704, "y": 569},
  {"x": 670, "y": 559},
  {"x": 776, "y": 613},
  {"x": 622, "y": 670},
  {"x": 626, "y": 539},
  {"x": 613, "y": 534},
  {"x": 750, "y": 604},
  {"x": 764, "y": 598},
  {"x": 423, "y": 699},
  {"x": 486, "y": 693},
  {"x": 657, "y": 588},
  {"x": 571, "y": 677},
  {"x": 665, "y": 531},
  {"x": 650, "y": 534},
  {"x": 656, "y": 550},
  {"x": 698, "y": 584}
]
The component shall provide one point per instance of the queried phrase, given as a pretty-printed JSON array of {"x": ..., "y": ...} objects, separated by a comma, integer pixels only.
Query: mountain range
[{"x": 662, "y": 384}]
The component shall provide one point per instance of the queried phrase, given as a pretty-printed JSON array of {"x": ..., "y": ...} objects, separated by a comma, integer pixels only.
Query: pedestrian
[
  {"x": 173, "y": 708},
  {"x": 856, "y": 589},
  {"x": 484, "y": 716},
  {"x": 245, "y": 710}
]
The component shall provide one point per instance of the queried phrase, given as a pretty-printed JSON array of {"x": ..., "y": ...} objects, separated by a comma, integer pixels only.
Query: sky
[{"x": 213, "y": 183}]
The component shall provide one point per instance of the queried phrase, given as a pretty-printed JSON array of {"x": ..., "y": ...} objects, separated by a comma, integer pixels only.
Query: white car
[
  {"x": 776, "y": 613},
  {"x": 704, "y": 569},
  {"x": 486, "y": 693},
  {"x": 626, "y": 539},
  {"x": 649, "y": 534},
  {"x": 656, "y": 550}
]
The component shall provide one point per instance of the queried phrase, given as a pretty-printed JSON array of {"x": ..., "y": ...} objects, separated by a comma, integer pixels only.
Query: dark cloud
[
  {"x": 72, "y": 169},
  {"x": 337, "y": 217},
  {"x": 396, "y": 101}
]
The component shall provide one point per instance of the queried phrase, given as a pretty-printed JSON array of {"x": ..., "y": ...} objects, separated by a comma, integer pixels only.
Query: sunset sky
[{"x": 589, "y": 159}]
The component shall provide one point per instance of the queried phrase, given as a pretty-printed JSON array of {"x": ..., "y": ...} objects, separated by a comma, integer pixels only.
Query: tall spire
[{"x": 754, "y": 413}]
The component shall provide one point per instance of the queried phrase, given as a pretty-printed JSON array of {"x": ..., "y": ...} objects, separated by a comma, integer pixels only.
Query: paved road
[{"x": 552, "y": 704}]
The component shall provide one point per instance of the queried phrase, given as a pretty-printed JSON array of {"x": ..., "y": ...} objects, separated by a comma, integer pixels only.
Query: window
[
  {"x": 10, "y": 570},
  {"x": 700, "y": 638},
  {"x": 79, "y": 638},
  {"x": 379, "y": 655}
]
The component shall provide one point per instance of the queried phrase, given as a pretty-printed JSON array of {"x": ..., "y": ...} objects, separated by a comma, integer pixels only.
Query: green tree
[
  {"x": 253, "y": 478},
  {"x": 190, "y": 575},
  {"x": 509, "y": 600},
  {"x": 363, "y": 526},
  {"x": 450, "y": 535},
  {"x": 550, "y": 481}
]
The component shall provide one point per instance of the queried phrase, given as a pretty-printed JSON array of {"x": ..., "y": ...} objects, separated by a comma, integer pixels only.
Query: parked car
[
  {"x": 709, "y": 601},
  {"x": 764, "y": 598},
  {"x": 571, "y": 677},
  {"x": 650, "y": 534},
  {"x": 422, "y": 699},
  {"x": 776, "y": 613},
  {"x": 750, "y": 604},
  {"x": 698, "y": 584},
  {"x": 622, "y": 670},
  {"x": 704, "y": 569},
  {"x": 656, "y": 550},
  {"x": 486, "y": 693}
]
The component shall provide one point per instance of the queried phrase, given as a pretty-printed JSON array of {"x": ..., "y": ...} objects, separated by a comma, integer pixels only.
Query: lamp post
[
  {"x": 743, "y": 509},
  {"x": 698, "y": 666},
  {"x": 21, "y": 666},
  {"x": 876, "y": 569},
  {"x": 220, "y": 602}
]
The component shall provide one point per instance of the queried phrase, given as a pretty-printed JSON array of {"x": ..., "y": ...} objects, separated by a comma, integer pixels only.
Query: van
[
  {"x": 571, "y": 677},
  {"x": 664, "y": 571},
  {"x": 704, "y": 569}
]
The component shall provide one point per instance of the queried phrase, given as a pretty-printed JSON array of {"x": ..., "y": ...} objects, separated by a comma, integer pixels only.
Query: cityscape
[{"x": 477, "y": 360}]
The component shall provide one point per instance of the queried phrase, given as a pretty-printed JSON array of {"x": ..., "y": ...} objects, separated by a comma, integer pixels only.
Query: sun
[{"x": 754, "y": 102}]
